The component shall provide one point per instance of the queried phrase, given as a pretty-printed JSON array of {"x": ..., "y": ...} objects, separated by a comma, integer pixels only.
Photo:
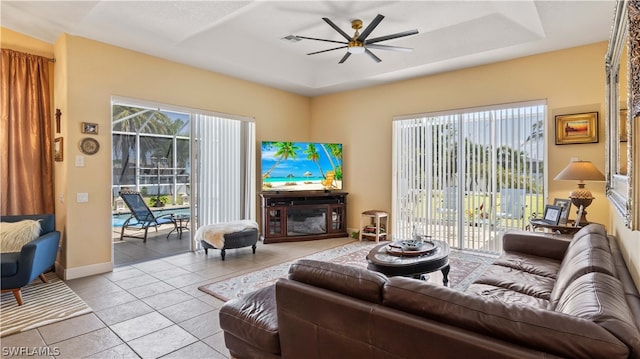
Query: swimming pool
[{"x": 118, "y": 219}]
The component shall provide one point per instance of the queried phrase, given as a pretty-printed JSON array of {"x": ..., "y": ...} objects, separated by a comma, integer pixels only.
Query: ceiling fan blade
[
  {"x": 345, "y": 57},
  {"x": 370, "y": 28},
  {"x": 316, "y": 39},
  {"x": 394, "y": 36},
  {"x": 374, "y": 57},
  {"x": 319, "y": 52},
  {"x": 390, "y": 48},
  {"x": 335, "y": 27}
]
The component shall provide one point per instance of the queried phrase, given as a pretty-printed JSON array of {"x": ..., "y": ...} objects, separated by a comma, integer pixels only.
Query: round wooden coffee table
[{"x": 381, "y": 259}]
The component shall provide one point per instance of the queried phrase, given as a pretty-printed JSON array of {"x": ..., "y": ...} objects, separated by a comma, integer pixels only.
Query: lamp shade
[
  {"x": 580, "y": 171},
  {"x": 581, "y": 197}
]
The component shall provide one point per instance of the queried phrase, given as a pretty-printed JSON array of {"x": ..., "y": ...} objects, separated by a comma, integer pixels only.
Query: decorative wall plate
[{"x": 89, "y": 146}]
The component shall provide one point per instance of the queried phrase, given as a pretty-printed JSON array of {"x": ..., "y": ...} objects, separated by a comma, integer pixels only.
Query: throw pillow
[{"x": 14, "y": 235}]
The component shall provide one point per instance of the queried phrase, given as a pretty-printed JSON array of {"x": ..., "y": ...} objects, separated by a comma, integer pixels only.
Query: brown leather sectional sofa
[{"x": 547, "y": 296}]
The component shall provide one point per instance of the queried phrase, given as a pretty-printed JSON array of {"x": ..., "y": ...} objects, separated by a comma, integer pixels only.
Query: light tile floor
[{"x": 154, "y": 309}]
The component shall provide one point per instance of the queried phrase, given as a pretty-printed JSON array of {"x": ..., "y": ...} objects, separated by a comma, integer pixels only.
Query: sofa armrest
[
  {"x": 352, "y": 281},
  {"x": 546, "y": 245},
  {"x": 38, "y": 255}
]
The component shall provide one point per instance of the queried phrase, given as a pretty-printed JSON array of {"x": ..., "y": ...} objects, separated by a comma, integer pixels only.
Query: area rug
[
  {"x": 465, "y": 268},
  {"x": 43, "y": 303}
]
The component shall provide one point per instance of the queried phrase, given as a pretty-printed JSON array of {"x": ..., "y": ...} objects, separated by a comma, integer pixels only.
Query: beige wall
[
  {"x": 88, "y": 73},
  {"x": 629, "y": 244},
  {"x": 19, "y": 42},
  {"x": 571, "y": 81},
  {"x": 95, "y": 72}
]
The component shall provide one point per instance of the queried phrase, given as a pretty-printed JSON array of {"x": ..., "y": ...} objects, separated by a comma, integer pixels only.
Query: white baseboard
[{"x": 79, "y": 272}]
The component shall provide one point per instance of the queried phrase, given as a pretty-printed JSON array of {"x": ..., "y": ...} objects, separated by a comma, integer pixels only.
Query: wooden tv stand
[{"x": 303, "y": 216}]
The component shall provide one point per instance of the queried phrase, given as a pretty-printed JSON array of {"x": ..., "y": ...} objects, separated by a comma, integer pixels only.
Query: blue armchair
[{"x": 36, "y": 257}]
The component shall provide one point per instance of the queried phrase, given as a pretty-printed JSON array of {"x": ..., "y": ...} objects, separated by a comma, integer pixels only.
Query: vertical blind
[
  {"x": 224, "y": 159},
  {"x": 465, "y": 176}
]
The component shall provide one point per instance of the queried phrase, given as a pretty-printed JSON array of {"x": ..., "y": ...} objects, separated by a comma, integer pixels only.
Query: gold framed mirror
[{"x": 622, "y": 105}]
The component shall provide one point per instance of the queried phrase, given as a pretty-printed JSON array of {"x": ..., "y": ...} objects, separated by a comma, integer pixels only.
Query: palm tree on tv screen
[
  {"x": 334, "y": 154},
  {"x": 284, "y": 151},
  {"x": 313, "y": 155}
]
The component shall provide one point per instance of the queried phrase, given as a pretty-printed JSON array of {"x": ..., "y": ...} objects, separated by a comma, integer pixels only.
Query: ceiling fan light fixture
[
  {"x": 361, "y": 43},
  {"x": 356, "y": 47}
]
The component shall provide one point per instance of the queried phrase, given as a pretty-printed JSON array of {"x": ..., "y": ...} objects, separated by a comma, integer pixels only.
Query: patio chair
[
  {"x": 511, "y": 204},
  {"x": 141, "y": 216},
  {"x": 449, "y": 207}
]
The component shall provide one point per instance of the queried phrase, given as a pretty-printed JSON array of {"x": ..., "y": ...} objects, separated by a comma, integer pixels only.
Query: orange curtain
[{"x": 26, "y": 159}]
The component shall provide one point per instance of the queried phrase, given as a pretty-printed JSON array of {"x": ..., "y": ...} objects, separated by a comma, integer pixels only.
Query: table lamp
[{"x": 581, "y": 171}]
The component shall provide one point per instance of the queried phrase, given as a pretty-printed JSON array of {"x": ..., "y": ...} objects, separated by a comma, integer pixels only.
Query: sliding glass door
[
  {"x": 183, "y": 161},
  {"x": 466, "y": 176}
]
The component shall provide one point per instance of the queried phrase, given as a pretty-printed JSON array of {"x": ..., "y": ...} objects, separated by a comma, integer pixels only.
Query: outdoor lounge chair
[
  {"x": 512, "y": 205},
  {"x": 449, "y": 207},
  {"x": 141, "y": 216}
]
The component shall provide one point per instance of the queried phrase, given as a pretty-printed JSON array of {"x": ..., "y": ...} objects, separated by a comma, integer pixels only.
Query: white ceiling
[{"x": 244, "y": 38}]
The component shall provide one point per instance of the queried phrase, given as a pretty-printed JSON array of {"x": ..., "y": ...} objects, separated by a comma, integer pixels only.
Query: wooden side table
[
  {"x": 562, "y": 229},
  {"x": 373, "y": 223}
]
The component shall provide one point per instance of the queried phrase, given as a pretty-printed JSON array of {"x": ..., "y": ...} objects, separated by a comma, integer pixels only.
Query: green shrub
[{"x": 163, "y": 201}]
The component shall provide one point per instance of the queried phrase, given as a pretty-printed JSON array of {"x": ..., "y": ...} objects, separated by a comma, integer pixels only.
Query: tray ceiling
[{"x": 244, "y": 39}]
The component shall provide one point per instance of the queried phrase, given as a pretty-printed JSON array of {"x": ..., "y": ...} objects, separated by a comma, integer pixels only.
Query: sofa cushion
[
  {"x": 544, "y": 330},
  {"x": 593, "y": 228},
  {"x": 587, "y": 241},
  {"x": 517, "y": 281},
  {"x": 14, "y": 235},
  {"x": 541, "y": 266},
  {"x": 535, "y": 243},
  {"x": 599, "y": 297},
  {"x": 589, "y": 253},
  {"x": 254, "y": 318},
  {"x": 506, "y": 295},
  {"x": 352, "y": 281}
]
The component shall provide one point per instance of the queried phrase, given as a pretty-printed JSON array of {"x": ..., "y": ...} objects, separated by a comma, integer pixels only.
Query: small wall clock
[{"x": 89, "y": 146}]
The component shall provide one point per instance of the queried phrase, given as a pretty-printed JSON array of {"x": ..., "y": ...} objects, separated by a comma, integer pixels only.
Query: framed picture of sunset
[{"x": 577, "y": 128}]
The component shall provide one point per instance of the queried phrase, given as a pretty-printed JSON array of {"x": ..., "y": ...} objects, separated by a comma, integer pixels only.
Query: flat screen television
[{"x": 301, "y": 166}]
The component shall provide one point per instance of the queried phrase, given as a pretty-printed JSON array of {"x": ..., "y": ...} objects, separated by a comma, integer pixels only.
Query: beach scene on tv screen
[{"x": 301, "y": 166}]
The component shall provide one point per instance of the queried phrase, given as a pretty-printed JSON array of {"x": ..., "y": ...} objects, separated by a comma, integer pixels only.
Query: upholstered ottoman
[{"x": 223, "y": 236}]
